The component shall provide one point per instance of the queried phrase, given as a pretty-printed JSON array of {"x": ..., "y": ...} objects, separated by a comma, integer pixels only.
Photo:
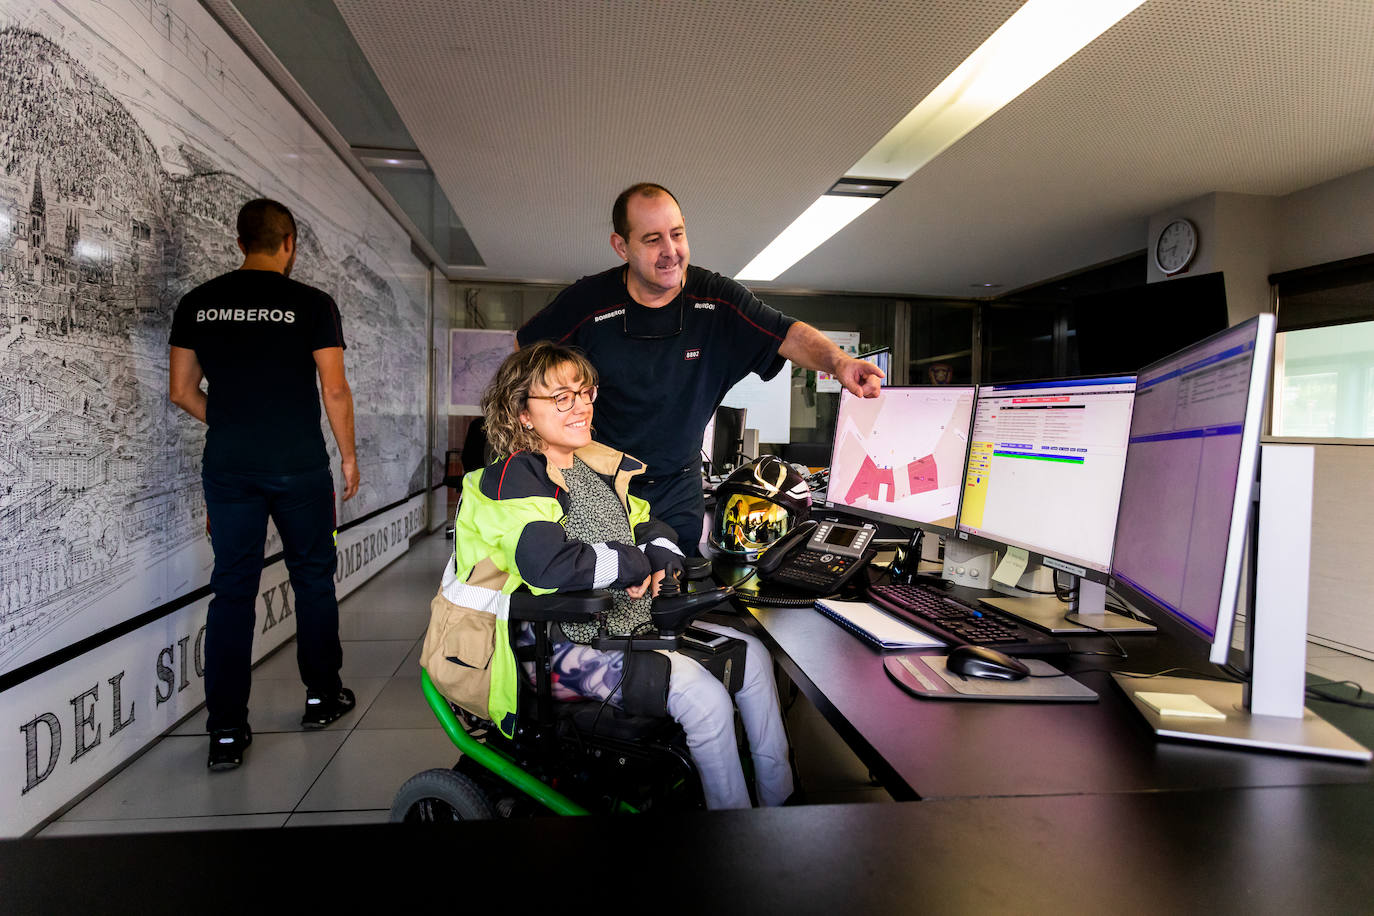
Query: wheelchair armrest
[{"x": 559, "y": 607}]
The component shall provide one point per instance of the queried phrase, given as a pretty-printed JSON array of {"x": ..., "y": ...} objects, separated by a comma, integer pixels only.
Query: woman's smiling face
[{"x": 562, "y": 431}]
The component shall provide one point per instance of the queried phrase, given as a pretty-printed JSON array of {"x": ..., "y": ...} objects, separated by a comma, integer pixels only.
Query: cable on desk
[
  {"x": 1120, "y": 650},
  {"x": 1314, "y": 691},
  {"x": 1204, "y": 675},
  {"x": 1124, "y": 609}
]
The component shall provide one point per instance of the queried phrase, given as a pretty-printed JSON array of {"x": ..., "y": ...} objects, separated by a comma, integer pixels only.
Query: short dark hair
[
  {"x": 619, "y": 220},
  {"x": 264, "y": 224}
]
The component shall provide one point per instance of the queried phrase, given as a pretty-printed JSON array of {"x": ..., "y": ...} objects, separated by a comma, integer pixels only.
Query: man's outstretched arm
[{"x": 810, "y": 349}]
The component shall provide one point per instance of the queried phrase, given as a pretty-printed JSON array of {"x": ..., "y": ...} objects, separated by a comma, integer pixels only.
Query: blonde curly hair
[{"x": 509, "y": 391}]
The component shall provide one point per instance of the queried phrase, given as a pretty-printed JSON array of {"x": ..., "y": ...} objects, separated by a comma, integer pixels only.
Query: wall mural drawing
[{"x": 130, "y": 133}]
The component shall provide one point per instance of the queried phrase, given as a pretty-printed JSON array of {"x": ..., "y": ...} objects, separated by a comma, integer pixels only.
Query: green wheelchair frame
[{"x": 439, "y": 795}]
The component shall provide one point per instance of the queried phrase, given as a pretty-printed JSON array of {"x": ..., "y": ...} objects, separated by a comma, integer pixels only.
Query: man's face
[{"x": 656, "y": 250}]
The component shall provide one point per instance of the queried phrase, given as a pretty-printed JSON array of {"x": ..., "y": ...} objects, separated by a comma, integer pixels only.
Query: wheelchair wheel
[{"x": 439, "y": 796}]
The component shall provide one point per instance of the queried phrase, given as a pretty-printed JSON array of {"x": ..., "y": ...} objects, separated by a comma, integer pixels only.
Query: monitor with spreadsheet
[
  {"x": 1044, "y": 469},
  {"x": 1190, "y": 469},
  {"x": 899, "y": 457}
]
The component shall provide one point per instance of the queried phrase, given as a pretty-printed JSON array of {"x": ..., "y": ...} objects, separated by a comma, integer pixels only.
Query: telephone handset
[{"x": 819, "y": 557}]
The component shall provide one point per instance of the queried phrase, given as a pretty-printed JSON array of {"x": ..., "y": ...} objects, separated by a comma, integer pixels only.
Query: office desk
[
  {"x": 932, "y": 749},
  {"x": 1252, "y": 851}
]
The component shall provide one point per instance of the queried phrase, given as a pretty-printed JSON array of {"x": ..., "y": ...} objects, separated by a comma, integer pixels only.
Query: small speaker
[{"x": 968, "y": 564}]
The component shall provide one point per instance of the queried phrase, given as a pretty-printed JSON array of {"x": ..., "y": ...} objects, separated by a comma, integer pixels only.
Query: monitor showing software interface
[
  {"x": 900, "y": 456},
  {"x": 1044, "y": 469},
  {"x": 1194, "y": 435}
]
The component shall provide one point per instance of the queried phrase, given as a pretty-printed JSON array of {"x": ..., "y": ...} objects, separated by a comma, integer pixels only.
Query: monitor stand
[
  {"x": 1307, "y": 734},
  {"x": 1088, "y": 608},
  {"x": 1266, "y": 712}
]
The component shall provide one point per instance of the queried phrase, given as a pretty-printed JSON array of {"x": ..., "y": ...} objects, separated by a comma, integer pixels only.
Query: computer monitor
[
  {"x": 882, "y": 358},
  {"x": 899, "y": 458},
  {"x": 1044, "y": 475},
  {"x": 727, "y": 440},
  {"x": 1190, "y": 471},
  {"x": 1188, "y": 514}
]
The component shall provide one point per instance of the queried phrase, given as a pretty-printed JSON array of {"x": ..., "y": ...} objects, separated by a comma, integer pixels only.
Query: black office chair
[{"x": 453, "y": 479}]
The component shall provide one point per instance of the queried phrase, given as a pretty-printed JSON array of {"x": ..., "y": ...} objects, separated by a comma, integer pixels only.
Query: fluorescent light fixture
[
  {"x": 828, "y": 215},
  {"x": 1037, "y": 38},
  {"x": 379, "y": 158}
]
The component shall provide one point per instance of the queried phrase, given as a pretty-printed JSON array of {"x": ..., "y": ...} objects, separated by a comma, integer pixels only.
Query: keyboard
[{"x": 958, "y": 623}]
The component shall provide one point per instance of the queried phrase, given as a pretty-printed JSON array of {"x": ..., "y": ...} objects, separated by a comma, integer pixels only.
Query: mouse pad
[{"x": 927, "y": 676}]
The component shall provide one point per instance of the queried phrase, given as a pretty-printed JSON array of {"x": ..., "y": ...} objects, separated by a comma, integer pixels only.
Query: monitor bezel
[
  {"x": 1073, "y": 566},
  {"x": 1242, "y": 505},
  {"x": 897, "y": 520}
]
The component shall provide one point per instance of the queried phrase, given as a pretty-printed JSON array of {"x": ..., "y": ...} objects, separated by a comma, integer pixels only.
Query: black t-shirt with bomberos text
[
  {"x": 255, "y": 333},
  {"x": 663, "y": 370}
]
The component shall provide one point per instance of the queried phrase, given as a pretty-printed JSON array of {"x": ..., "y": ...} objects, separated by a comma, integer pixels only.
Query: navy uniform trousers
[
  {"x": 302, "y": 506},
  {"x": 678, "y": 501}
]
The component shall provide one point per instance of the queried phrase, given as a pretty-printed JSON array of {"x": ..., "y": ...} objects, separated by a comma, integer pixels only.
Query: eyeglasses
[
  {"x": 564, "y": 400},
  {"x": 640, "y": 323}
]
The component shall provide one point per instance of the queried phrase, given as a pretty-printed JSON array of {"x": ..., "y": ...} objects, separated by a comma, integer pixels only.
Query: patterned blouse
[{"x": 596, "y": 515}]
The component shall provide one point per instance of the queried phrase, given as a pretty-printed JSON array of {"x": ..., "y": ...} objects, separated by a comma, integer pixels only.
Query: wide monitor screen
[
  {"x": 1045, "y": 466},
  {"x": 1190, "y": 468},
  {"x": 900, "y": 457}
]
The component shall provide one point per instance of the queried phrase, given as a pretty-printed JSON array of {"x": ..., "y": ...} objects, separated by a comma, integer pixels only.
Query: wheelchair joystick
[{"x": 673, "y": 608}]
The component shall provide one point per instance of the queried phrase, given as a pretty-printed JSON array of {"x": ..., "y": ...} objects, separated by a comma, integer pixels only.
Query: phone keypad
[{"x": 813, "y": 570}]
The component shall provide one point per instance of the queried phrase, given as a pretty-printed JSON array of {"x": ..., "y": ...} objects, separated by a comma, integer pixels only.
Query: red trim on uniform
[
  {"x": 502, "y": 481},
  {"x": 739, "y": 313}
]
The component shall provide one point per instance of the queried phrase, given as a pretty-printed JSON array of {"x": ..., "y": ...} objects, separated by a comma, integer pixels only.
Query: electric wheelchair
[{"x": 573, "y": 758}]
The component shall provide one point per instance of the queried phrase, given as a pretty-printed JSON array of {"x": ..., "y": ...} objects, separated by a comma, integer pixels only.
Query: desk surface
[
  {"x": 1257, "y": 851},
  {"x": 936, "y": 749}
]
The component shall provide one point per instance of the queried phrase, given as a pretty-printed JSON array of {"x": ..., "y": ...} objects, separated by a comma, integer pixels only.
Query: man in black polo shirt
[
  {"x": 260, "y": 339},
  {"x": 669, "y": 340}
]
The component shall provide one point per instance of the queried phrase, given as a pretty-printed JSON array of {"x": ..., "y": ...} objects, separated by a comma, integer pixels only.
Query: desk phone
[{"x": 819, "y": 557}]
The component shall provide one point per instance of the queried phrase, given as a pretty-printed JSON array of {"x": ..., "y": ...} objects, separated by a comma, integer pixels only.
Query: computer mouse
[{"x": 980, "y": 661}]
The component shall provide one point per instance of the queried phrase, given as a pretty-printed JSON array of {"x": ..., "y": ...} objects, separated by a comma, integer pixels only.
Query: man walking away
[{"x": 260, "y": 339}]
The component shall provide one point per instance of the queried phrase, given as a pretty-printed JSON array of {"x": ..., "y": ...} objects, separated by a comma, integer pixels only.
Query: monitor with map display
[{"x": 899, "y": 457}]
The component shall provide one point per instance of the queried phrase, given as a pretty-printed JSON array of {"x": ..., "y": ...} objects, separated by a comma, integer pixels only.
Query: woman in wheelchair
[{"x": 555, "y": 514}]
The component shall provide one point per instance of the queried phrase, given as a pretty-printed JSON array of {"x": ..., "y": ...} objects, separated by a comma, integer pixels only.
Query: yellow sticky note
[
  {"x": 1183, "y": 705},
  {"x": 1012, "y": 566}
]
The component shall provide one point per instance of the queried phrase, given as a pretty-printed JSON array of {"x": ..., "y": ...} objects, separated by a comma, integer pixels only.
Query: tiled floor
[{"x": 349, "y": 772}]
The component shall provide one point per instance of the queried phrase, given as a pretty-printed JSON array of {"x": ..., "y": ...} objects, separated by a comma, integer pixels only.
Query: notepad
[
  {"x": 874, "y": 627},
  {"x": 1184, "y": 705}
]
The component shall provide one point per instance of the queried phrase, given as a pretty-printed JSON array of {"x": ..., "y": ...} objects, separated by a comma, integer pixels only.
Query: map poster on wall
[
  {"x": 132, "y": 132},
  {"x": 474, "y": 357}
]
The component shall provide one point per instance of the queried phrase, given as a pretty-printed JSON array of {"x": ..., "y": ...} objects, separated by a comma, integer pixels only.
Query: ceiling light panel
[{"x": 1037, "y": 39}]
